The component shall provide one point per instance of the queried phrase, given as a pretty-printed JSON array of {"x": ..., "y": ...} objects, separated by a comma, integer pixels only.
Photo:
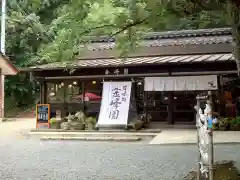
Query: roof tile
[
  {"x": 168, "y": 42},
  {"x": 183, "y": 59}
]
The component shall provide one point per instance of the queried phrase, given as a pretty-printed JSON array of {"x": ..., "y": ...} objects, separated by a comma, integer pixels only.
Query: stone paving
[
  {"x": 24, "y": 158},
  {"x": 189, "y": 136},
  {"x": 34, "y": 160}
]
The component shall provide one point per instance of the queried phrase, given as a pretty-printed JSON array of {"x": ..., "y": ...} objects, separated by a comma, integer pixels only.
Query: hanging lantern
[
  {"x": 74, "y": 82},
  {"x": 139, "y": 83}
]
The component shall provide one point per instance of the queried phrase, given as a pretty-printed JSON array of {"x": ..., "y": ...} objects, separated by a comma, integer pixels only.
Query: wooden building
[
  {"x": 165, "y": 54},
  {"x": 6, "y": 68}
]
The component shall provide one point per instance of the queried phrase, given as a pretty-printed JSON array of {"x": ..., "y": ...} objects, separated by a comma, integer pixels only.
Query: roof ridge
[{"x": 172, "y": 34}]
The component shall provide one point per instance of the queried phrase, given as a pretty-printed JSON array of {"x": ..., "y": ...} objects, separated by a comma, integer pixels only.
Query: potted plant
[
  {"x": 78, "y": 121},
  {"x": 54, "y": 123},
  {"x": 91, "y": 123},
  {"x": 233, "y": 124},
  {"x": 137, "y": 124},
  {"x": 237, "y": 123},
  {"x": 223, "y": 124},
  {"x": 70, "y": 118},
  {"x": 65, "y": 126},
  {"x": 215, "y": 126}
]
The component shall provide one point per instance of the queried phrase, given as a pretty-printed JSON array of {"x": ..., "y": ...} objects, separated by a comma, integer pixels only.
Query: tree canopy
[
  {"x": 44, "y": 31},
  {"x": 53, "y": 30}
]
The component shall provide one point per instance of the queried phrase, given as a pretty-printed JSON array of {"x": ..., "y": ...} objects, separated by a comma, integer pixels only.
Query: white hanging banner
[
  {"x": 115, "y": 103},
  {"x": 181, "y": 83}
]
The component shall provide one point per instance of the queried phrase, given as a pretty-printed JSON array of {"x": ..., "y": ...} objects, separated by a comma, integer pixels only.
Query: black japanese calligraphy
[
  {"x": 124, "y": 94},
  {"x": 114, "y": 114},
  {"x": 116, "y": 92},
  {"x": 119, "y": 95}
]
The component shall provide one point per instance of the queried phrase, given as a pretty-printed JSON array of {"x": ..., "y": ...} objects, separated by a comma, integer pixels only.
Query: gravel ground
[{"x": 30, "y": 159}]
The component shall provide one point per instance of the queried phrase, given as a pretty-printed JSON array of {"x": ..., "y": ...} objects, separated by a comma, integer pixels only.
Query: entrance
[
  {"x": 171, "y": 107},
  {"x": 157, "y": 105},
  {"x": 172, "y": 99},
  {"x": 183, "y": 107}
]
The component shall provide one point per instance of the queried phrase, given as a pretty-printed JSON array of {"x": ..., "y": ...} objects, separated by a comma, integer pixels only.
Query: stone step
[
  {"x": 154, "y": 131},
  {"x": 91, "y": 138},
  {"x": 94, "y": 134}
]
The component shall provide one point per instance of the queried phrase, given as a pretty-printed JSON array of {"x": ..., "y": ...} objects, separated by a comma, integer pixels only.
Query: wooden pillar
[
  {"x": 219, "y": 96},
  {"x": 65, "y": 107},
  {"x": 144, "y": 99},
  {"x": 170, "y": 108},
  {"x": 83, "y": 98},
  {"x": 43, "y": 92},
  {"x": 146, "y": 107}
]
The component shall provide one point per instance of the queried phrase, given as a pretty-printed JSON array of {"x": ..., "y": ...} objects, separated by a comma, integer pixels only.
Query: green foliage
[
  {"x": 126, "y": 20},
  {"x": 58, "y": 30},
  {"x": 53, "y": 120},
  {"x": 45, "y": 31},
  {"x": 91, "y": 120}
]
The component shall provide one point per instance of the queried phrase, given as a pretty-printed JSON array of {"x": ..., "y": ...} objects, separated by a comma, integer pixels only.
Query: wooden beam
[
  {"x": 106, "y": 76},
  {"x": 203, "y": 73},
  {"x": 141, "y": 75}
]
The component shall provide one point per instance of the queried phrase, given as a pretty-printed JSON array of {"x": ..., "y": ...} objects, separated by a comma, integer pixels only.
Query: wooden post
[
  {"x": 64, "y": 98},
  {"x": 41, "y": 93},
  {"x": 170, "y": 108},
  {"x": 146, "y": 107},
  {"x": 83, "y": 98},
  {"x": 45, "y": 92}
]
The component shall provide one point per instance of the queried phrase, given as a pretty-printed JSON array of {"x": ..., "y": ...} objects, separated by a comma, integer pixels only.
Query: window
[
  {"x": 74, "y": 92},
  {"x": 93, "y": 91},
  {"x": 55, "y": 92},
  {"x": 93, "y": 97}
]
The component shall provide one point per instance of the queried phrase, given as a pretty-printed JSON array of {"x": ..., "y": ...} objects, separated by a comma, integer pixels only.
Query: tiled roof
[
  {"x": 169, "y": 38},
  {"x": 172, "y": 34},
  {"x": 203, "y": 58},
  {"x": 168, "y": 42}
]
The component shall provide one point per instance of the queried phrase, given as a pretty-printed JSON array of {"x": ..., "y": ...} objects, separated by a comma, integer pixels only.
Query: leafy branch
[{"x": 126, "y": 27}]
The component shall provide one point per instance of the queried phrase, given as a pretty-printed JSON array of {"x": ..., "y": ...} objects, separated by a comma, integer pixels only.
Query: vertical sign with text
[
  {"x": 115, "y": 103},
  {"x": 42, "y": 115}
]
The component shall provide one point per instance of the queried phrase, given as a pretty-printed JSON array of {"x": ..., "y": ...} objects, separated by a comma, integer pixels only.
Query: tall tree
[
  {"x": 27, "y": 28},
  {"x": 126, "y": 20}
]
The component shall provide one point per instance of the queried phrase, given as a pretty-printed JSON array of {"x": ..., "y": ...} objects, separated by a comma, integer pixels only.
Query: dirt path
[{"x": 15, "y": 128}]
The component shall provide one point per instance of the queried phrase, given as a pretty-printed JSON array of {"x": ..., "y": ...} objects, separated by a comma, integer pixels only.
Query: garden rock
[
  {"x": 77, "y": 126},
  {"x": 137, "y": 125},
  {"x": 65, "y": 126}
]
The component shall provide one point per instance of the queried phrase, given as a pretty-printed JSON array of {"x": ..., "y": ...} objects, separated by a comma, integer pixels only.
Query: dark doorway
[
  {"x": 157, "y": 106},
  {"x": 183, "y": 107}
]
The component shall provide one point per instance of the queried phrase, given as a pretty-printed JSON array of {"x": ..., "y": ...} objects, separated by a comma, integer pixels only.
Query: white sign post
[{"x": 115, "y": 103}]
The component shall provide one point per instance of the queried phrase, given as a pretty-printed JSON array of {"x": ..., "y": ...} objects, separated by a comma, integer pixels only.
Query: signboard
[
  {"x": 116, "y": 71},
  {"x": 43, "y": 115},
  {"x": 181, "y": 83},
  {"x": 115, "y": 103}
]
